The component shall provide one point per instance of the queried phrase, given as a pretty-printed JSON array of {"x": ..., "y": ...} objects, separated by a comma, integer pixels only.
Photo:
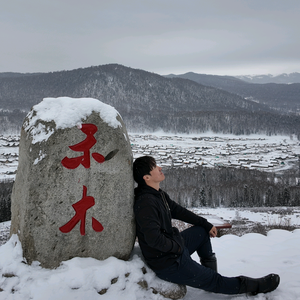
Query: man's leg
[
  {"x": 197, "y": 239},
  {"x": 188, "y": 272}
]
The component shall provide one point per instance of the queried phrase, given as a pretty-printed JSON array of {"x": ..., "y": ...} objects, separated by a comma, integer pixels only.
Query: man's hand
[{"x": 213, "y": 232}]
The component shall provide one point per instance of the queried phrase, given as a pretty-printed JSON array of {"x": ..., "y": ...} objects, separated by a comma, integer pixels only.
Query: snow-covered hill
[{"x": 252, "y": 255}]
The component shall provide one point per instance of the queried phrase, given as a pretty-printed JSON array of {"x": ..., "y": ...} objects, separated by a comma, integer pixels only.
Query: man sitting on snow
[{"x": 168, "y": 251}]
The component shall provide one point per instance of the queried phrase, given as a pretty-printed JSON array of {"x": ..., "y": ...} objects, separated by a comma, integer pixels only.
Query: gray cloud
[{"x": 165, "y": 36}]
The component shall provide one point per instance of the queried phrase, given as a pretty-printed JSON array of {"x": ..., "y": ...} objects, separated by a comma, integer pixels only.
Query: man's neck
[{"x": 153, "y": 185}]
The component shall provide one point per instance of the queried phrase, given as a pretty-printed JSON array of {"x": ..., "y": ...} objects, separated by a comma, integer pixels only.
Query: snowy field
[
  {"x": 252, "y": 255},
  {"x": 243, "y": 219}
]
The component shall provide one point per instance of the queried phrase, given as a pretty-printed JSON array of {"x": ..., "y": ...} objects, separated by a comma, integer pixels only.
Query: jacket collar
[{"x": 145, "y": 189}]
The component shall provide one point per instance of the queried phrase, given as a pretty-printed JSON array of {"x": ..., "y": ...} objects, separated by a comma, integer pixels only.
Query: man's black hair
[{"x": 143, "y": 166}]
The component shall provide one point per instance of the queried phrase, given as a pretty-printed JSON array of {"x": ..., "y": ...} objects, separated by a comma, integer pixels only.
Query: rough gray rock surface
[{"x": 45, "y": 190}]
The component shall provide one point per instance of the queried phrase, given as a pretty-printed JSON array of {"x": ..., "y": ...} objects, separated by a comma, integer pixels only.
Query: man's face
[{"x": 156, "y": 175}]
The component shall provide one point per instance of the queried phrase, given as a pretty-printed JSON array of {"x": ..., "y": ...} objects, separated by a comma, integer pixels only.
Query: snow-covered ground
[
  {"x": 246, "y": 217},
  {"x": 252, "y": 255}
]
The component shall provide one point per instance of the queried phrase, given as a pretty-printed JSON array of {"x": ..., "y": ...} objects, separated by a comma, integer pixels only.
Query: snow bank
[{"x": 86, "y": 278}]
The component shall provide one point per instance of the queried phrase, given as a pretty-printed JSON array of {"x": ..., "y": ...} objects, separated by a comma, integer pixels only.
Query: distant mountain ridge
[
  {"x": 283, "y": 97},
  {"x": 283, "y": 78},
  {"x": 148, "y": 101},
  {"x": 14, "y": 74}
]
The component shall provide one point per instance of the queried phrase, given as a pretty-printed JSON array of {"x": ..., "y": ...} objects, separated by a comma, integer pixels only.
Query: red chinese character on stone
[
  {"x": 80, "y": 208},
  {"x": 84, "y": 146}
]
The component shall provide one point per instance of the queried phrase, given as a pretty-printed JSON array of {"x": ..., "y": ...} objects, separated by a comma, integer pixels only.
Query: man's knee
[
  {"x": 201, "y": 233},
  {"x": 195, "y": 238},
  {"x": 195, "y": 231}
]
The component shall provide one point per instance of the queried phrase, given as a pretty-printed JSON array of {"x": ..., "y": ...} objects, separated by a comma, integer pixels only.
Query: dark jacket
[{"x": 161, "y": 244}]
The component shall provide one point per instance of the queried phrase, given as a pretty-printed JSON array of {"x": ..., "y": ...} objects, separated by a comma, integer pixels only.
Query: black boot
[
  {"x": 210, "y": 262},
  {"x": 255, "y": 286}
]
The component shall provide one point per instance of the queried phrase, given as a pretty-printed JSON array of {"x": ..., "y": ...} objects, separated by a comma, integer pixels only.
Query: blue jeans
[{"x": 188, "y": 272}]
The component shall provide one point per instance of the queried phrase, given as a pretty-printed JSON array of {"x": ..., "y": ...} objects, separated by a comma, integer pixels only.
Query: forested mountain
[
  {"x": 121, "y": 87},
  {"x": 283, "y": 97},
  {"x": 147, "y": 101}
]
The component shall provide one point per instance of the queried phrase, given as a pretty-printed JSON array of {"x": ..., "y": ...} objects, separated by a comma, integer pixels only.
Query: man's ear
[{"x": 146, "y": 177}]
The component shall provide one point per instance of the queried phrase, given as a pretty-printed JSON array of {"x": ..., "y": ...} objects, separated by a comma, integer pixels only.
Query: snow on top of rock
[{"x": 66, "y": 112}]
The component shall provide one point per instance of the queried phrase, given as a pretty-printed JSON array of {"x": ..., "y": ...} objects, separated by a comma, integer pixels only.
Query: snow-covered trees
[
  {"x": 231, "y": 187},
  {"x": 5, "y": 200}
]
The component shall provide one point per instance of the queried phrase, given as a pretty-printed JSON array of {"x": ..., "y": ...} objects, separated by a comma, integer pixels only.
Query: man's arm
[{"x": 180, "y": 213}]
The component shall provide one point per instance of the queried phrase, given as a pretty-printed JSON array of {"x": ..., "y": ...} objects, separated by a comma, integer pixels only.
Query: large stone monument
[{"x": 73, "y": 193}]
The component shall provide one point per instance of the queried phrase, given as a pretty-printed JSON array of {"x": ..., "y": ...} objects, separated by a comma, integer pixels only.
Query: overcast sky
[{"x": 225, "y": 37}]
